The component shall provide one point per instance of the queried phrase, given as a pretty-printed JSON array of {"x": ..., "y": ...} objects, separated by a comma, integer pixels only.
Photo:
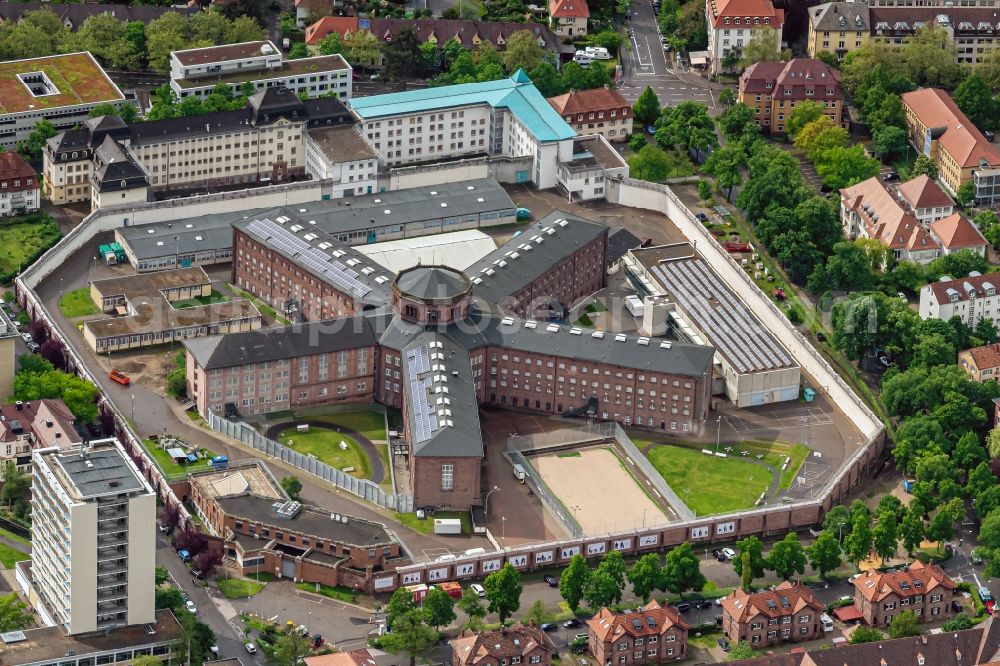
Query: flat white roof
[{"x": 458, "y": 250}]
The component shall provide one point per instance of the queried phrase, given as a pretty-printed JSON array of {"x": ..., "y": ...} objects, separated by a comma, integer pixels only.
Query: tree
[
  {"x": 730, "y": 59},
  {"x": 824, "y": 553},
  {"x": 647, "y": 108},
  {"x": 865, "y": 635},
  {"x": 960, "y": 622},
  {"x": 904, "y": 625},
  {"x": 243, "y": 29},
  {"x": 753, "y": 548},
  {"x": 858, "y": 543},
  {"x": 32, "y": 148},
  {"x": 981, "y": 479},
  {"x": 14, "y": 615},
  {"x": 400, "y": 603},
  {"x": 762, "y": 47},
  {"x": 523, "y": 51},
  {"x": 687, "y": 125},
  {"x": 738, "y": 121},
  {"x": 402, "y": 55},
  {"x": 536, "y": 613},
  {"x": 645, "y": 576},
  {"x": 924, "y": 165},
  {"x": 885, "y": 536},
  {"x": 727, "y": 97},
  {"x": 787, "y": 557},
  {"x": 163, "y": 35},
  {"x": 682, "y": 570},
  {"x": 503, "y": 590},
  {"x": 974, "y": 98},
  {"x": 837, "y": 518},
  {"x": 79, "y": 395},
  {"x": 840, "y": 167},
  {"x": 573, "y": 580},
  {"x": 411, "y": 634},
  {"x": 705, "y": 190},
  {"x": 473, "y": 607},
  {"x": 968, "y": 453},
  {"x": 819, "y": 136},
  {"x": 601, "y": 590},
  {"x": 362, "y": 48},
  {"x": 637, "y": 142},
  {"x": 207, "y": 560},
  {"x": 740, "y": 651},
  {"x": 801, "y": 115},
  {"x": 146, "y": 660},
  {"x": 889, "y": 141},
  {"x": 161, "y": 575},
  {"x": 331, "y": 45},
  {"x": 613, "y": 564},
  {"x": 966, "y": 194},
  {"x": 292, "y": 486},
  {"x": 651, "y": 164},
  {"x": 16, "y": 484},
  {"x": 298, "y": 51},
  {"x": 439, "y": 607},
  {"x": 170, "y": 598}
]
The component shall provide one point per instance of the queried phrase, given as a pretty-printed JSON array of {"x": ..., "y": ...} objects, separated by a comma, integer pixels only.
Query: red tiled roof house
[
  {"x": 568, "y": 18},
  {"x": 18, "y": 185},
  {"x": 651, "y": 635},
  {"x": 922, "y": 588},
  {"x": 789, "y": 612},
  {"x": 733, "y": 23},
  {"x": 599, "y": 111}
]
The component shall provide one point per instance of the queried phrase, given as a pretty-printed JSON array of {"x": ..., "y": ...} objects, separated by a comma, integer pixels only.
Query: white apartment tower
[{"x": 93, "y": 545}]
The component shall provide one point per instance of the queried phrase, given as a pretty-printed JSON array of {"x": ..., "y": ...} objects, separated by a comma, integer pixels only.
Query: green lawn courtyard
[
  {"x": 239, "y": 588},
  {"x": 214, "y": 297},
  {"x": 170, "y": 467},
  {"x": 24, "y": 239},
  {"x": 709, "y": 484},
  {"x": 77, "y": 303},
  {"x": 326, "y": 446},
  {"x": 426, "y": 526}
]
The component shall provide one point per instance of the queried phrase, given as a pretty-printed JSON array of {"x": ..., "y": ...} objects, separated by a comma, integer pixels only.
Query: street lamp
[
  {"x": 486, "y": 503},
  {"x": 840, "y": 531},
  {"x": 718, "y": 432},
  {"x": 503, "y": 529},
  {"x": 133, "y": 409}
]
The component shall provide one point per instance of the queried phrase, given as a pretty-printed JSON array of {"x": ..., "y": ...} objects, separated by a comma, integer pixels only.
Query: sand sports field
[{"x": 608, "y": 497}]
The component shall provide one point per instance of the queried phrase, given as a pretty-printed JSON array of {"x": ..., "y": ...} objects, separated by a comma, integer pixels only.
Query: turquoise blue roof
[{"x": 517, "y": 93}]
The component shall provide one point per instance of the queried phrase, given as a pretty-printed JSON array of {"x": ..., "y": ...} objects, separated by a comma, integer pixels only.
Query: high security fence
[
  {"x": 551, "y": 501},
  {"x": 362, "y": 488}
]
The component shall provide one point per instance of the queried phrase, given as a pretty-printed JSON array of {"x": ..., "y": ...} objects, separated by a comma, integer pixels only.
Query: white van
[
  {"x": 519, "y": 473},
  {"x": 478, "y": 589},
  {"x": 827, "y": 622},
  {"x": 583, "y": 58},
  {"x": 476, "y": 551},
  {"x": 598, "y": 52}
]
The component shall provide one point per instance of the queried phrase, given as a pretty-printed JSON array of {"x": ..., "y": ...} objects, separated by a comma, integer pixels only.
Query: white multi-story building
[
  {"x": 733, "y": 23},
  {"x": 971, "y": 299},
  {"x": 342, "y": 155},
  {"x": 196, "y": 72},
  {"x": 93, "y": 543},
  {"x": 59, "y": 88},
  {"x": 18, "y": 185},
  {"x": 506, "y": 118}
]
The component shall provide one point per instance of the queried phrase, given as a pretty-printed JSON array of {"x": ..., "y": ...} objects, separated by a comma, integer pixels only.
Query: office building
[
  {"x": 838, "y": 27},
  {"x": 196, "y": 72},
  {"x": 733, "y": 23},
  {"x": 93, "y": 542}
]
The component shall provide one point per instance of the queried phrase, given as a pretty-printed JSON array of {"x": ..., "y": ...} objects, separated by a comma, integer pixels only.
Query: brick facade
[
  {"x": 924, "y": 589},
  {"x": 788, "y": 613},
  {"x": 526, "y": 645},
  {"x": 427, "y": 473},
  {"x": 651, "y": 635}
]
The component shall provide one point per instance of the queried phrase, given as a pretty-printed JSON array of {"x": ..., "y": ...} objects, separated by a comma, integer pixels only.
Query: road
[{"x": 646, "y": 64}]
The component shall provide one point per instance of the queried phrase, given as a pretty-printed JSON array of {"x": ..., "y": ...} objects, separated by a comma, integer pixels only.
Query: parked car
[
  {"x": 976, "y": 558},
  {"x": 200, "y": 575},
  {"x": 251, "y": 648},
  {"x": 479, "y": 590},
  {"x": 33, "y": 347},
  {"x": 988, "y": 134},
  {"x": 729, "y": 553},
  {"x": 650, "y": 130},
  {"x": 551, "y": 581},
  {"x": 549, "y": 626},
  {"x": 682, "y": 607},
  {"x": 890, "y": 177},
  {"x": 580, "y": 638},
  {"x": 27, "y": 337},
  {"x": 571, "y": 624},
  {"x": 956, "y": 606},
  {"x": 718, "y": 555},
  {"x": 718, "y": 601},
  {"x": 190, "y": 607},
  {"x": 723, "y": 643},
  {"x": 701, "y": 217},
  {"x": 705, "y": 603}
]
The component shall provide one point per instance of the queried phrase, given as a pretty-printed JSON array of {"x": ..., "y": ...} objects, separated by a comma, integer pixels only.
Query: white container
[
  {"x": 303, "y": 427},
  {"x": 447, "y": 526}
]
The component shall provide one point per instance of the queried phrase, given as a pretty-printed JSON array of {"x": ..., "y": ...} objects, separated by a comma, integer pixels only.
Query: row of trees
[
  {"x": 684, "y": 24},
  {"x": 828, "y": 146},
  {"x": 120, "y": 45}
]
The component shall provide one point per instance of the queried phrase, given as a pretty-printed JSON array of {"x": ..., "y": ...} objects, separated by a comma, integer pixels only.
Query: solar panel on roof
[
  {"x": 13, "y": 637},
  {"x": 418, "y": 367}
]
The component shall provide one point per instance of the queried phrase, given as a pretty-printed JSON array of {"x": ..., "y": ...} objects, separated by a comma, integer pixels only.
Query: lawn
[
  {"x": 8, "y": 556},
  {"x": 77, "y": 303},
  {"x": 774, "y": 455},
  {"x": 24, "y": 239},
  {"x": 708, "y": 484},
  {"x": 261, "y": 305},
  {"x": 426, "y": 526},
  {"x": 368, "y": 423},
  {"x": 239, "y": 588},
  {"x": 167, "y": 463},
  {"x": 585, "y": 321},
  {"x": 10, "y": 535},
  {"x": 596, "y": 306},
  {"x": 325, "y": 445},
  {"x": 214, "y": 297},
  {"x": 340, "y": 593}
]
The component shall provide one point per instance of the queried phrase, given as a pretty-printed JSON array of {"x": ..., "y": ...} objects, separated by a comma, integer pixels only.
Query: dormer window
[
  {"x": 767, "y": 21},
  {"x": 727, "y": 21},
  {"x": 756, "y": 21},
  {"x": 737, "y": 21}
]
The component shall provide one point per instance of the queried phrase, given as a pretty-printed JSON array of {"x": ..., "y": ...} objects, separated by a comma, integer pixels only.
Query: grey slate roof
[
  {"x": 523, "y": 266},
  {"x": 456, "y": 429},
  {"x": 620, "y": 241},
  {"x": 432, "y": 282},
  {"x": 837, "y": 16},
  {"x": 272, "y": 344},
  {"x": 115, "y": 168}
]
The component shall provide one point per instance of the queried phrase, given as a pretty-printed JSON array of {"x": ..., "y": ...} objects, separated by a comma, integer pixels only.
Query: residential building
[
  {"x": 359, "y": 657},
  {"x": 9, "y": 336},
  {"x": 938, "y": 129},
  {"x": 145, "y": 310},
  {"x": 972, "y": 647},
  {"x": 370, "y": 219},
  {"x": 196, "y": 72},
  {"x": 263, "y": 142},
  {"x": 838, "y": 27},
  {"x": 517, "y": 644},
  {"x": 568, "y": 18},
  {"x": 600, "y": 111},
  {"x": 789, "y": 612},
  {"x": 340, "y": 154},
  {"x": 505, "y": 118},
  {"x": 34, "y": 424},
  {"x": 773, "y": 89},
  {"x": 59, "y": 88},
  {"x": 93, "y": 542},
  {"x": 266, "y": 532},
  {"x": 752, "y": 366},
  {"x": 46, "y": 646},
  {"x": 320, "y": 29},
  {"x": 18, "y": 185},
  {"x": 914, "y": 220},
  {"x": 73, "y": 15},
  {"x": 317, "y": 363},
  {"x": 733, "y": 23},
  {"x": 974, "y": 30},
  {"x": 970, "y": 298},
  {"x": 923, "y": 589},
  {"x": 653, "y": 634},
  {"x": 982, "y": 363}
]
